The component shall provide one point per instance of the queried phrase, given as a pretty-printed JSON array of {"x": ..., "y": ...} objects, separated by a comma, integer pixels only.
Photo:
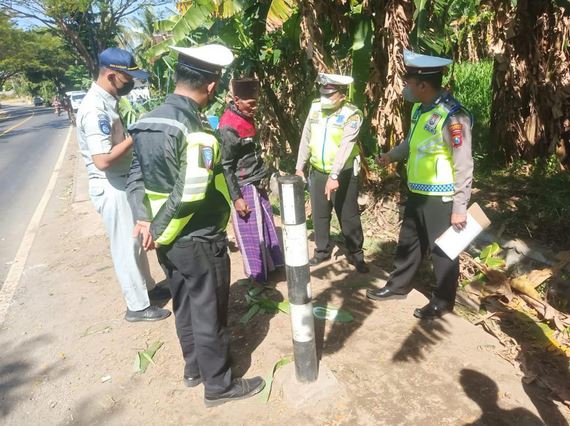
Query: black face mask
[{"x": 125, "y": 90}]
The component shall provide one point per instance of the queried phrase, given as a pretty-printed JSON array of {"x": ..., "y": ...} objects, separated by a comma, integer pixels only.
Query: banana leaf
[
  {"x": 144, "y": 358},
  {"x": 266, "y": 392}
]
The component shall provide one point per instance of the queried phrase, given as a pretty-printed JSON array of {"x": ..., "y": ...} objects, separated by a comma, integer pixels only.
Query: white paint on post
[
  {"x": 296, "y": 246},
  {"x": 297, "y": 260},
  {"x": 288, "y": 202},
  {"x": 301, "y": 326}
]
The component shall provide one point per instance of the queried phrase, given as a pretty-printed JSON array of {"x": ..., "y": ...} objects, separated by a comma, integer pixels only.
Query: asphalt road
[{"x": 30, "y": 141}]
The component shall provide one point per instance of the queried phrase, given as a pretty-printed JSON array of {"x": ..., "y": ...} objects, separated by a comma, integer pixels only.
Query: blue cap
[{"x": 121, "y": 60}]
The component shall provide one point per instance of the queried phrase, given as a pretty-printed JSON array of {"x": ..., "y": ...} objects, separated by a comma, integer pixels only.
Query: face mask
[
  {"x": 125, "y": 90},
  {"x": 409, "y": 96},
  {"x": 328, "y": 103}
]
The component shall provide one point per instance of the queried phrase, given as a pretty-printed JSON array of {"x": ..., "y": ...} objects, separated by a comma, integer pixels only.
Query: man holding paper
[{"x": 440, "y": 173}]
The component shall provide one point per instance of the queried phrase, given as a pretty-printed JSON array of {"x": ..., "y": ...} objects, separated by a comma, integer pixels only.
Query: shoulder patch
[
  {"x": 104, "y": 124},
  {"x": 353, "y": 121},
  {"x": 207, "y": 154},
  {"x": 456, "y": 132}
]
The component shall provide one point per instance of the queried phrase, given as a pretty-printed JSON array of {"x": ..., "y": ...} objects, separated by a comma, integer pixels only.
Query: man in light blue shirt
[{"x": 107, "y": 152}]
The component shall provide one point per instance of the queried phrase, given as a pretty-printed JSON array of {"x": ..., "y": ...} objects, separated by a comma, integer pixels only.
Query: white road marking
[
  {"x": 17, "y": 268},
  {"x": 17, "y": 125}
]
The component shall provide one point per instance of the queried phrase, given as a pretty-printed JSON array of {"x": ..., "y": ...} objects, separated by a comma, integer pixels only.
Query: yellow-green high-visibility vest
[
  {"x": 430, "y": 163},
  {"x": 326, "y": 135},
  {"x": 198, "y": 177}
]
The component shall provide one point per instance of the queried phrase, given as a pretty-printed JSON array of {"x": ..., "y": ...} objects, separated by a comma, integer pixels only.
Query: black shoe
[
  {"x": 192, "y": 382},
  {"x": 383, "y": 293},
  {"x": 315, "y": 260},
  {"x": 240, "y": 389},
  {"x": 160, "y": 292},
  {"x": 430, "y": 312},
  {"x": 360, "y": 265},
  {"x": 152, "y": 313}
]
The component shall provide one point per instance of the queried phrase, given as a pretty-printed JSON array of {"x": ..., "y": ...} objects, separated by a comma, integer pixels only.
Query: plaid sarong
[{"x": 256, "y": 235}]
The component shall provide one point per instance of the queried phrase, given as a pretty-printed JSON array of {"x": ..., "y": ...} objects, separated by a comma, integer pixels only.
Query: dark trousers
[
  {"x": 425, "y": 219},
  {"x": 199, "y": 278},
  {"x": 345, "y": 203}
]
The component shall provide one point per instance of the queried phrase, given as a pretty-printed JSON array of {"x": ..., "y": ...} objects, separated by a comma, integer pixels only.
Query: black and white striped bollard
[{"x": 291, "y": 194}]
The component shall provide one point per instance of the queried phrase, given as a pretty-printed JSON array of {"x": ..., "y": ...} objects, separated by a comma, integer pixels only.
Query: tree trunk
[
  {"x": 80, "y": 48},
  {"x": 531, "y": 81},
  {"x": 392, "y": 25}
]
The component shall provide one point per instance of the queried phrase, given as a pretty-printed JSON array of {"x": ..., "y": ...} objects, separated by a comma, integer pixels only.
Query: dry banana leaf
[{"x": 524, "y": 286}]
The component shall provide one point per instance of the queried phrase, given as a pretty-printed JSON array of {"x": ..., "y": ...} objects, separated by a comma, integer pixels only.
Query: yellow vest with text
[
  {"x": 430, "y": 163},
  {"x": 326, "y": 135}
]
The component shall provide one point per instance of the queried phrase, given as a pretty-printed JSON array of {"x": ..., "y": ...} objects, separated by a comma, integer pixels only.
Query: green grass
[
  {"x": 472, "y": 88},
  {"x": 532, "y": 205}
]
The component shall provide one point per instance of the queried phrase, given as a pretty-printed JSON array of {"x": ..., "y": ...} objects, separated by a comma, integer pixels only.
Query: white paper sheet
[{"x": 453, "y": 242}]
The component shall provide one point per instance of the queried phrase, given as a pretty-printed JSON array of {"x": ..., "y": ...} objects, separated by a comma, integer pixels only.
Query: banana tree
[{"x": 531, "y": 93}]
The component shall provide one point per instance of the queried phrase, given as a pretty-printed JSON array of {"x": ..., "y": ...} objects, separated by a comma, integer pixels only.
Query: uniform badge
[
  {"x": 104, "y": 124},
  {"x": 207, "y": 156},
  {"x": 340, "y": 119},
  {"x": 434, "y": 119},
  {"x": 456, "y": 131},
  {"x": 432, "y": 123}
]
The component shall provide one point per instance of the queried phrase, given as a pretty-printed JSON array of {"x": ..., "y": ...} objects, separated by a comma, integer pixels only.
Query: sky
[{"x": 162, "y": 11}]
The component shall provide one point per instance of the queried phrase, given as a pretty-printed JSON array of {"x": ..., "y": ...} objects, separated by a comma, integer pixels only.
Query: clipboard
[{"x": 453, "y": 242}]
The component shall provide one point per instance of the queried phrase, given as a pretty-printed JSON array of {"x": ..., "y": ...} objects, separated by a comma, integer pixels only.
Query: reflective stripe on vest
[
  {"x": 326, "y": 135},
  {"x": 430, "y": 164},
  {"x": 199, "y": 174}
]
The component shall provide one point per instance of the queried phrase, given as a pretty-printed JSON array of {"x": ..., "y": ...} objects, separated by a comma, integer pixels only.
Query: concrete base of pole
[{"x": 318, "y": 394}]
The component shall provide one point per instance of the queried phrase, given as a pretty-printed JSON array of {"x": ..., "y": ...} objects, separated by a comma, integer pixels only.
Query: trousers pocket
[
  {"x": 220, "y": 248},
  {"x": 96, "y": 189},
  {"x": 96, "y": 192}
]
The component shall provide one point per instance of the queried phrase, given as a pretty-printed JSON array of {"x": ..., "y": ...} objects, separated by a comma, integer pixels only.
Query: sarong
[{"x": 256, "y": 235}]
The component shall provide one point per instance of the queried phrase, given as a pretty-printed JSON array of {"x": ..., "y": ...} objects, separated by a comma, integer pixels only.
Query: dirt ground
[{"x": 67, "y": 354}]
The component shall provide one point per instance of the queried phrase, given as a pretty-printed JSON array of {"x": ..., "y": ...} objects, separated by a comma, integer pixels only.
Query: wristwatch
[{"x": 334, "y": 176}]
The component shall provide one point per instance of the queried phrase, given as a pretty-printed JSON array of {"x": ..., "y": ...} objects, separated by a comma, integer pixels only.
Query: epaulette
[{"x": 453, "y": 106}]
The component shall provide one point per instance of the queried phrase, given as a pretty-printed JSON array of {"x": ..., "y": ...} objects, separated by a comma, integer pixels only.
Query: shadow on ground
[{"x": 19, "y": 373}]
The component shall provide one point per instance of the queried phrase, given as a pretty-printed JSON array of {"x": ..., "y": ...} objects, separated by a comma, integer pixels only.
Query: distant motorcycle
[
  {"x": 57, "y": 106},
  {"x": 69, "y": 110}
]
